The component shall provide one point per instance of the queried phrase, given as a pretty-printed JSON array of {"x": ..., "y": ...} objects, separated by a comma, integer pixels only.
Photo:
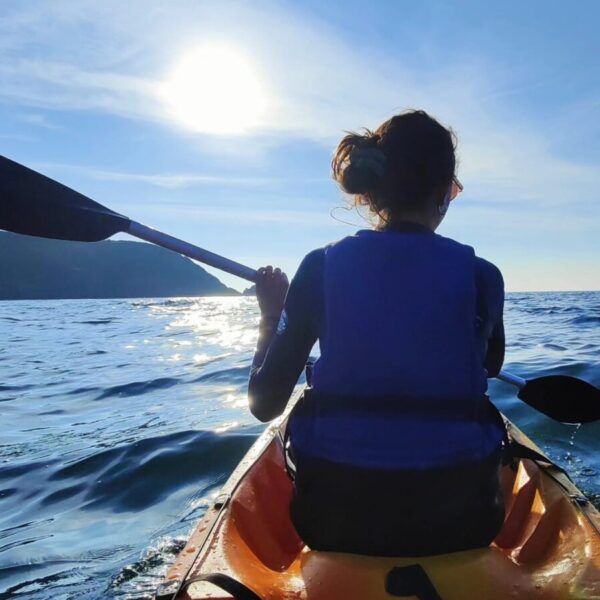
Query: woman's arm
[
  {"x": 285, "y": 341},
  {"x": 492, "y": 284},
  {"x": 271, "y": 288},
  {"x": 495, "y": 353}
]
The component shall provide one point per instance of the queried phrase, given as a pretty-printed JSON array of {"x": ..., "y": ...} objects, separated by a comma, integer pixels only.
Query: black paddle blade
[
  {"x": 563, "y": 398},
  {"x": 33, "y": 204}
]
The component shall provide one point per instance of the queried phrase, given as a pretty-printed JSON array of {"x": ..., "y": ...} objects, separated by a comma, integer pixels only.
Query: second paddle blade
[
  {"x": 563, "y": 398},
  {"x": 33, "y": 204}
]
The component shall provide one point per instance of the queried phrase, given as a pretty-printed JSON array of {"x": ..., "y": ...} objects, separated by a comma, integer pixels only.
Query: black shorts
[{"x": 396, "y": 513}]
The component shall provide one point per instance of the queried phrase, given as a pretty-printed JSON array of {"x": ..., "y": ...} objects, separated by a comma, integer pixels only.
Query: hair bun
[
  {"x": 363, "y": 170},
  {"x": 405, "y": 164}
]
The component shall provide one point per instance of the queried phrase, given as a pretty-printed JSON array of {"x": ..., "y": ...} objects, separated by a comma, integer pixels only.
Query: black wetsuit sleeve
[
  {"x": 284, "y": 348},
  {"x": 496, "y": 348},
  {"x": 491, "y": 291}
]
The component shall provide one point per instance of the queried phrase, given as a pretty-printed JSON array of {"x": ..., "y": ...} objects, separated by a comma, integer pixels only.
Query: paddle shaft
[
  {"x": 33, "y": 204},
  {"x": 204, "y": 256},
  {"x": 512, "y": 379}
]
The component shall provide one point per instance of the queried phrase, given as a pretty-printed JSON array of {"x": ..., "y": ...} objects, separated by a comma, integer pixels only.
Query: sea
[{"x": 121, "y": 419}]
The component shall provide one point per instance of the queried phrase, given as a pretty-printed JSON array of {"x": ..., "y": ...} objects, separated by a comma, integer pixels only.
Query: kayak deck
[{"x": 549, "y": 546}]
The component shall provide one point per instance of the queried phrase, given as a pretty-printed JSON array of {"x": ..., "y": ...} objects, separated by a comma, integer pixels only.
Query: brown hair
[{"x": 397, "y": 166}]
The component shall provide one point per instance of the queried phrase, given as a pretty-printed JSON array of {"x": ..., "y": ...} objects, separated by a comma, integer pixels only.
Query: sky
[{"x": 216, "y": 121}]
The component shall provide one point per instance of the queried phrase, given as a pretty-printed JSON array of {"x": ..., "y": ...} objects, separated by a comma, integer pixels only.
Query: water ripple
[
  {"x": 97, "y": 497},
  {"x": 137, "y": 388}
]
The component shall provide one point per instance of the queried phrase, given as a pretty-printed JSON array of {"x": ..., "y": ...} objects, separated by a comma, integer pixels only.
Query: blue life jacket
[{"x": 400, "y": 383}]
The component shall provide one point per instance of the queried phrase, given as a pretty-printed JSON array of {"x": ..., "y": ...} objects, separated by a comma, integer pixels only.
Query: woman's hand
[{"x": 271, "y": 288}]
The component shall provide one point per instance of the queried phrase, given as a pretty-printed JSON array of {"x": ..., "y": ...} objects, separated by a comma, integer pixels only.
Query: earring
[{"x": 443, "y": 207}]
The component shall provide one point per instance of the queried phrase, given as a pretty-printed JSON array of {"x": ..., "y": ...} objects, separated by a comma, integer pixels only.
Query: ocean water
[{"x": 120, "y": 420}]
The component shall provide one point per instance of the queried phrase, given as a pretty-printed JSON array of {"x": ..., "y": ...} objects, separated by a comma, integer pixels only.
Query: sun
[{"x": 216, "y": 89}]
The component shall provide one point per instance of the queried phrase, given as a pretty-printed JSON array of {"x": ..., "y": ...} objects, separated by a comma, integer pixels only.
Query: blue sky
[{"x": 82, "y": 98}]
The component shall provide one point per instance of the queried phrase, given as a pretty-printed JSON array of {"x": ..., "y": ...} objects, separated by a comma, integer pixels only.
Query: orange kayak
[{"x": 245, "y": 547}]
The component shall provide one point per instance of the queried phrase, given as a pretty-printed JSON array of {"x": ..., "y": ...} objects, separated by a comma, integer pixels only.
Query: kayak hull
[{"x": 548, "y": 548}]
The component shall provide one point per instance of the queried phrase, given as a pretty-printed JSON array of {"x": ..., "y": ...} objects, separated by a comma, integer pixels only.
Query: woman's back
[
  {"x": 410, "y": 326},
  {"x": 400, "y": 318},
  {"x": 399, "y": 363}
]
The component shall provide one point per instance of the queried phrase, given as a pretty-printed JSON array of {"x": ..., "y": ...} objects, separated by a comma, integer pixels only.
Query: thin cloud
[
  {"x": 39, "y": 120},
  {"x": 59, "y": 86},
  {"x": 17, "y": 137},
  {"x": 182, "y": 180},
  {"x": 240, "y": 215},
  {"x": 320, "y": 84},
  {"x": 165, "y": 180}
]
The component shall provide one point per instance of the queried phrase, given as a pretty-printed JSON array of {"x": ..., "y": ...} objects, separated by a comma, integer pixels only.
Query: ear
[
  {"x": 443, "y": 207},
  {"x": 439, "y": 195}
]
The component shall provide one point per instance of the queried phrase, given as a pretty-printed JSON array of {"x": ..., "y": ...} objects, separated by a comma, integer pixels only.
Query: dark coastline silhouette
[{"x": 36, "y": 268}]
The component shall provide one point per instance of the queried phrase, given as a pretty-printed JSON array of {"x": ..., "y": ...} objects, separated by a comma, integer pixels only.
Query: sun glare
[{"x": 216, "y": 89}]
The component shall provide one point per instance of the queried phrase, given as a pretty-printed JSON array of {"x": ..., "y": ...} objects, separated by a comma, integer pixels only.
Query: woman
[{"x": 396, "y": 446}]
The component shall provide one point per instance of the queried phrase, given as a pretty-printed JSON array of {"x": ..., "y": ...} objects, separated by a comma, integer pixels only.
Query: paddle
[
  {"x": 560, "y": 397},
  {"x": 33, "y": 204}
]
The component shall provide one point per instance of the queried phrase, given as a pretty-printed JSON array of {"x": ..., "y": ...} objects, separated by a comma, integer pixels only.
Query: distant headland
[{"x": 35, "y": 268}]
